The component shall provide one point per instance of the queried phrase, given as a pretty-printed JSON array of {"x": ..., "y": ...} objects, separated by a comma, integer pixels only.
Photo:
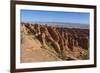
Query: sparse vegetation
[
  {"x": 57, "y": 39},
  {"x": 62, "y": 55},
  {"x": 86, "y": 55}
]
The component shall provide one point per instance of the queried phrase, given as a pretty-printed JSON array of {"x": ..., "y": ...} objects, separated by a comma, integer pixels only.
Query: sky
[{"x": 54, "y": 16}]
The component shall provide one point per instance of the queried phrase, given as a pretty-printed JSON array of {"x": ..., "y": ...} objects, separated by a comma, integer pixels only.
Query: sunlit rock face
[{"x": 72, "y": 42}]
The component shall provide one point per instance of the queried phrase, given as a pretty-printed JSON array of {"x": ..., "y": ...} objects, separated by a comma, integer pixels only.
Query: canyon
[{"x": 42, "y": 43}]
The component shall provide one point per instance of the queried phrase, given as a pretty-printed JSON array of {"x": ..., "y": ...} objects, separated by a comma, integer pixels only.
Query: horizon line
[{"x": 51, "y": 22}]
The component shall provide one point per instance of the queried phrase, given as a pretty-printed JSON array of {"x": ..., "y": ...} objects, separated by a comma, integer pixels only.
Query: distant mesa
[{"x": 63, "y": 24}]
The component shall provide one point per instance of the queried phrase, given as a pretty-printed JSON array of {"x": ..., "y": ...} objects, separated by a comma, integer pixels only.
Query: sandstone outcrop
[{"x": 68, "y": 43}]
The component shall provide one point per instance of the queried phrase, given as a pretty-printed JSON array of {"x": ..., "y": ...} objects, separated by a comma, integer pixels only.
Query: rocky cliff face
[{"x": 68, "y": 43}]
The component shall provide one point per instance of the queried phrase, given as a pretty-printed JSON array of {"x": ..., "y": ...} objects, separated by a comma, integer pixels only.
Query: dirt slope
[
  {"x": 40, "y": 43},
  {"x": 32, "y": 51}
]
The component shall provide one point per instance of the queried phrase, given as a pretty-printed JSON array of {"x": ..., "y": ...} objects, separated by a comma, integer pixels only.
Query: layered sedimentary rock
[{"x": 69, "y": 41}]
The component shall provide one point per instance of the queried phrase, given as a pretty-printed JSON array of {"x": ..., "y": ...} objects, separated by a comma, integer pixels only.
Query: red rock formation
[{"x": 61, "y": 38}]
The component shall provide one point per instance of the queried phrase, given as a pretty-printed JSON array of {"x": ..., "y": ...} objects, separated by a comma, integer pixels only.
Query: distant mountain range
[{"x": 63, "y": 25}]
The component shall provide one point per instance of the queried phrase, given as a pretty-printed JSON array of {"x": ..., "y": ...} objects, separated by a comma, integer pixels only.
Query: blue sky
[{"x": 53, "y": 16}]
